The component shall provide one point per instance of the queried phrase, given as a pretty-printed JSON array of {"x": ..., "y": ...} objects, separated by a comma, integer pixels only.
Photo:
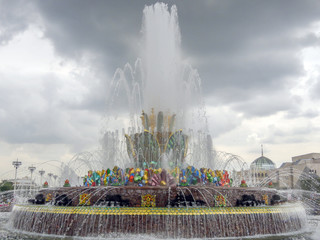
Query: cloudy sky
[{"x": 258, "y": 62}]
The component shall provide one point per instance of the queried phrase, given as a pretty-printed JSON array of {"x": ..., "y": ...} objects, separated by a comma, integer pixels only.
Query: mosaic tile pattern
[
  {"x": 220, "y": 201},
  {"x": 148, "y": 200},
  {"x": 48, "y": 197},
  {"x": 154, "y": 210},
  {"x": 265, "y": 199},
  {"x": 84, "y": 199}
]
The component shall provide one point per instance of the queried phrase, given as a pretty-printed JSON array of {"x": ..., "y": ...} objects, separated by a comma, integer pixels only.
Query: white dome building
[{"x": 261, "y": 166}]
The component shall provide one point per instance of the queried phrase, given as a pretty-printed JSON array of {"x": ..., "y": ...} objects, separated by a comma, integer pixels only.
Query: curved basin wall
[{"x": 200, "y": 222}]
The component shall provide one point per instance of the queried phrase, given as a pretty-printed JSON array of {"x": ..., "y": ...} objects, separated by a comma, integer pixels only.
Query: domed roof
[{"x": 262, "y": 163}]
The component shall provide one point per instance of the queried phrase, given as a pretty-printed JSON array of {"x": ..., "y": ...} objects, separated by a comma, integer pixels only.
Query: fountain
[{"x": 169, "y": 185}]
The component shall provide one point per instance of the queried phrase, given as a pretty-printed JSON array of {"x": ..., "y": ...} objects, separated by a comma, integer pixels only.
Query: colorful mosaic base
[
  {"x": 48, "y": 197},
  {"x": 265, "y": 199},
  {"x": 148, "y": 200},
  {"x": 220, "y": 201},
  {"x": 157, "y": 211},
  {"x": 84, "y": 199}
]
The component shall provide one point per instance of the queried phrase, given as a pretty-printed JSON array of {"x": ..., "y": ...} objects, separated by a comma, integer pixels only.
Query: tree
[
  {"x": 310, "y": 184},
  {"x": 6, "y": 186}
]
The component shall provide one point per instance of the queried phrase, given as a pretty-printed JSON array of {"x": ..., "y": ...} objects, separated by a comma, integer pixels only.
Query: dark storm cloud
[
  {"x": 245, "y": 52},
  {"x": 242, "y": 49},
  {"x": 248, "y": 49},
  {"x": 104, "y": 33},
  {"x": 247, "y": 55},
  {"x": 104, "y": 28},
  {"x": 228, "y": 27}
]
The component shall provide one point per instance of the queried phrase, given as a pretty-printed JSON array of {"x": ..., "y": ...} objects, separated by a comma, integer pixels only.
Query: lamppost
[
  {"x": 50, "y": 175},
  {"x": 31, "y": 169},
  {"x": 16, "y": 164},
  {"x": 55, "y": 179},
  {"x": 41, "y": 172}
]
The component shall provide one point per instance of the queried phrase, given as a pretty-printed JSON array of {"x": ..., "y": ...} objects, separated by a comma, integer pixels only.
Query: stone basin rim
[{"x": 99, "y": 210}]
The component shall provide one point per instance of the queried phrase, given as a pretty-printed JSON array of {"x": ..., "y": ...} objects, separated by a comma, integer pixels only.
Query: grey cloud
[
  {"x": 242, "y": 49},
  {"x": 93, "y": 99},
  {"x": 15, "y": 17},
  {"x": 315, "y": 91},
  {"x": 104, "y": 33},
  {"x": 294, "y": 134},
  {"x": 227, "y": 26},
  {"x": 102, "y": 27},
  {"x": 245, "y": 51},
  {"x": 223, "y": 121},
  {"x": 31, "y": 112},
  {"x": 307, "y": 113},
  {"x": 252, "y": 73},
  {"x": 265, "y": 105},
  {"x": 310, "y": 39},
  {"x": 257, "y": 87}
]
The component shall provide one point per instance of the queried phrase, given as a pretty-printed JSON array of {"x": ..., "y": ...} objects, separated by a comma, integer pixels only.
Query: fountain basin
[
  {"x": 167, "y": 212},
  {"x": 201, "y": 222}
]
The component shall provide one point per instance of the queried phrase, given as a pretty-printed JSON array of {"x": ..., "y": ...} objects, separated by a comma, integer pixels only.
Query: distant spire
[{"x": 261, "y": 149}]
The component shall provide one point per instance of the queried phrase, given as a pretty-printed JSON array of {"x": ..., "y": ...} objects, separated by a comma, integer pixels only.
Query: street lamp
[
  {"x": 41, "y": 172},
  {"x": 31, "y": 169},
  {"x": 16, "y": 164},
  {"x": 50, "y": 175},
  {"x": 55, "y": 179}
]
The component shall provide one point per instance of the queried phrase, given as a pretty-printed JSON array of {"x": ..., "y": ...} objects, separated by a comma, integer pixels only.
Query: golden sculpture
[
  {"x": 158, "y": 137},
  {"x": 152, "y": 120}
]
